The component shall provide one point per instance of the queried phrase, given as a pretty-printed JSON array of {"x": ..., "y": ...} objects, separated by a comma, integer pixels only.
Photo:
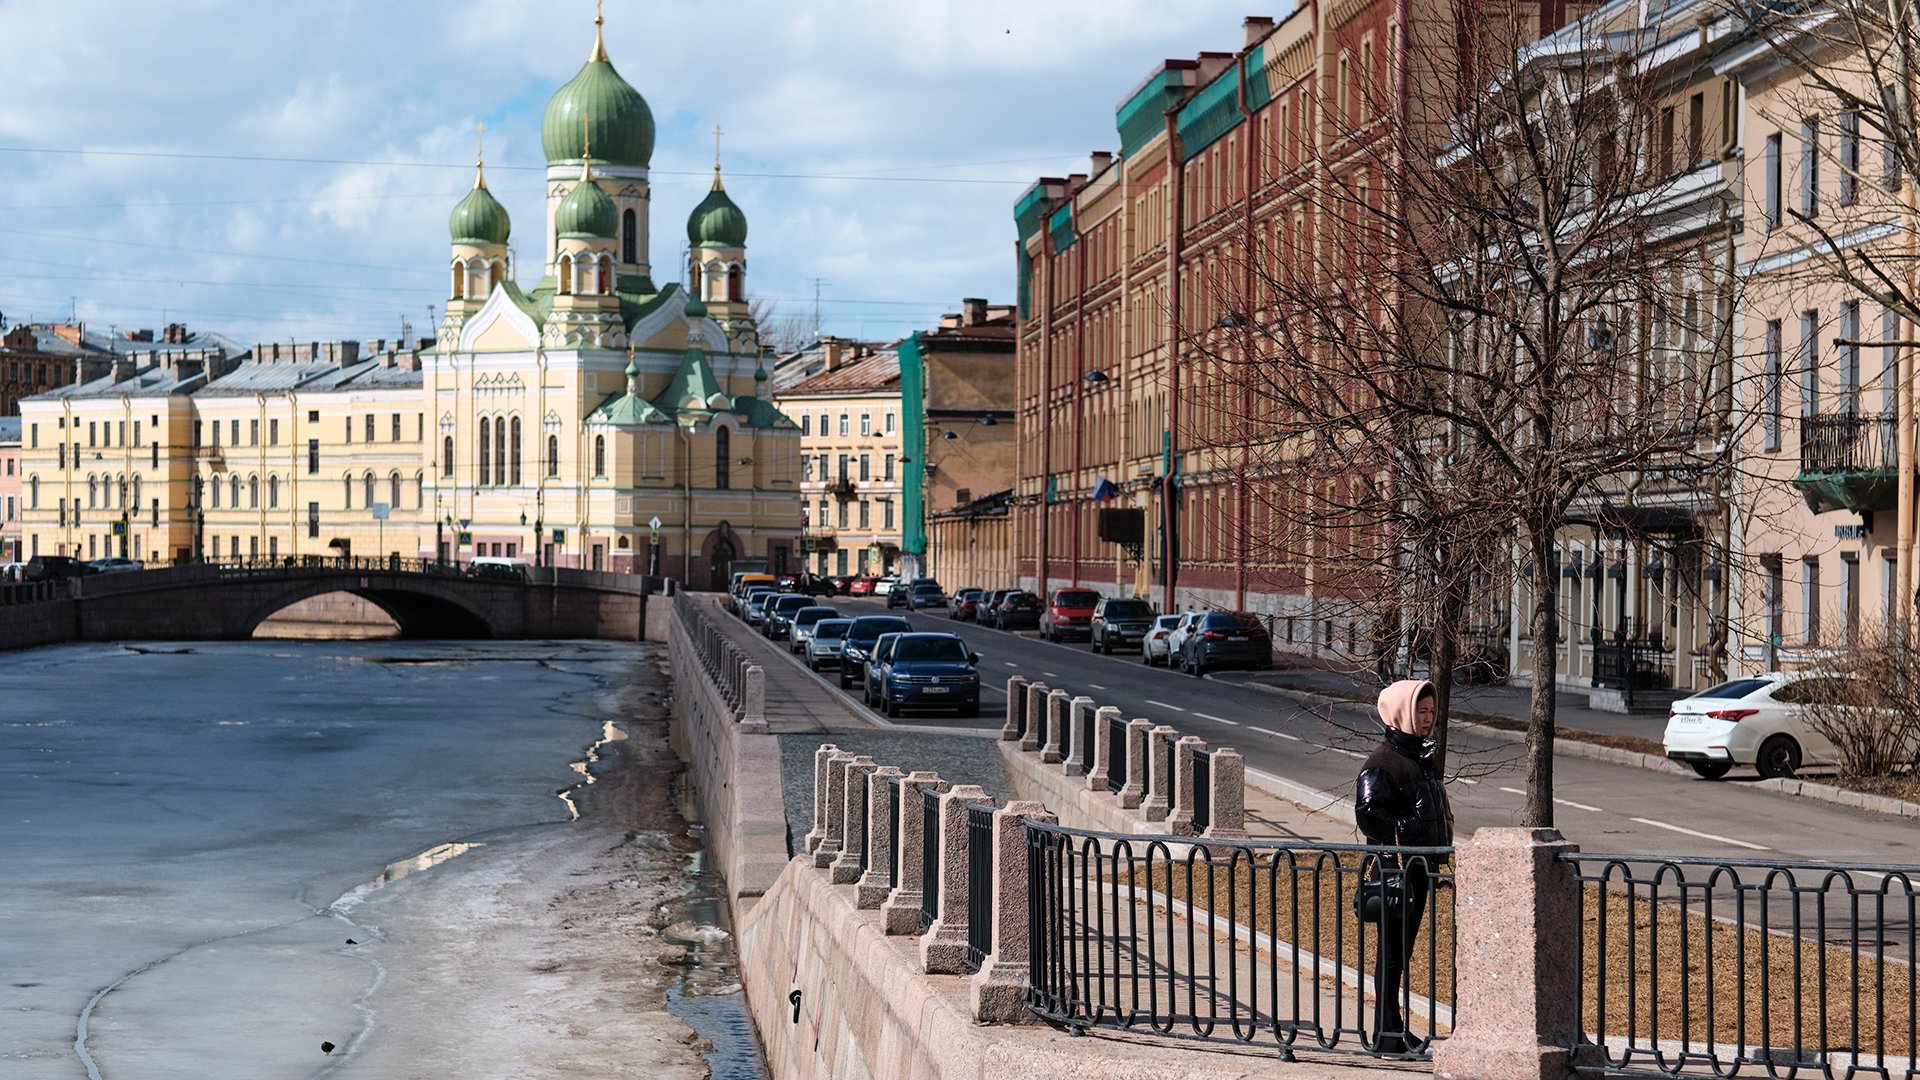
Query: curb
[
  {"x": 1311, "y": 800},
  {"x": 1563, "y": 746}
]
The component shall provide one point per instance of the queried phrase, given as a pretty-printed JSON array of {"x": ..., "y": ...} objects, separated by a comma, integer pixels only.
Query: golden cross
[
  {"x": 480, "y": 153},
  {"x": 598, "y": 14},
  {"x": 716, "y": 146}
]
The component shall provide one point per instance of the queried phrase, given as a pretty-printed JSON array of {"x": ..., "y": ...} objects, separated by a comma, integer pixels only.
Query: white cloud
[{"x": 989, "y": 89}]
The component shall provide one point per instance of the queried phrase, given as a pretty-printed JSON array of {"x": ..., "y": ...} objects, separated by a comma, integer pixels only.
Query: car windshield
[
  {"x": 1128, "y": 609},
  {"x": 926, "y": 588},
  {"x": 1165, "y": 621},
  {"x": 831, "y": 629},
  {"x": 1737, "y": 688},
  {"x": 1022, "y": 601},
  {"x": 1075, "y": 599},
  {"x": 807, "y": 616},
  {"x": 1232, "y": 622},
  {"x": 938, "y": 648}
]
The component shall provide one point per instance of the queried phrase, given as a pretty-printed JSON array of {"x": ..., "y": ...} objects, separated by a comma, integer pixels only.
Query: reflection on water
[
  {"x": 609, "y": 733},
  {"x": 426, "y": 860},
  {"x": 722, "y": 1020}
]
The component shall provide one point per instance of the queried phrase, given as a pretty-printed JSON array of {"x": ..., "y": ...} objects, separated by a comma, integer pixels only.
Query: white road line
[
  {"x": 1580, "y": 806},
  {"x": 1096, "y": 686},
  {"x": 1051, "y": 674},
  {"x": 1277, "y": 734},
  {"x": 1598, "y": 810},
  {"x": 1513, "y": 791},
  {"x": 1218, "y": 719},
  {"x": 1349, "y": 753},
  {"x": 1463, "y": 780},
  {"x": 1701, "y": 835},
  {"x": 1010, "y": 663},
  {"x": 1164, "y": 705}
]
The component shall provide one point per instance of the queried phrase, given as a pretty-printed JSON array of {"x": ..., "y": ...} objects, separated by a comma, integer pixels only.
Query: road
[{"x": 1602, "y": 807}]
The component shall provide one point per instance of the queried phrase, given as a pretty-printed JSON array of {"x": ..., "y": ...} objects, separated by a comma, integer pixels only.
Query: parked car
[
  {"x": 859, "y": 642},
  {"x": 1761, "y": 720},
  {"x": 885, "y": 586},
  {"x": 1153, "y": 647},
  {"x": 776, "y": 619},
  {"x": 498, "y": 568},
  {"x": 115, "y": 565},
  {"x": 801, "y": 625},
  {"x": 13, "y": 571},
  {"x": 1222, "y": 639},
  {"x": 1119, "y": 621},
  {"x": 55, "y": 568},
  {"x": 928, "y": 671},
  {"x": 1177, "y": 638},
  {"x": 861, "y": 586},
  {"x": 757, "y": 599},
  {"x": 1018, "y": 610},
  {"x": 898, "y": 596},
  {"x": 876, "y": 656},
  {"x": 927, "y": 594},
  {"x": 842, "y": 584},
  {"x": 1069, "y": 614},
  {"x": 823, "y": 643},
  {"x": 743, "y": 582},
  {"x": 966, "y": 605},
  {"x": 989, "y": 614}
]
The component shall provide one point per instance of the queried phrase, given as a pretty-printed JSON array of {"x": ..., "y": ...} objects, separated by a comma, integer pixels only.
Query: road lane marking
[
  {"x": 1010, "y": 663},
  {"x": 1580, "y": 806},
  {"x": 1701, "y": 835},
  {"x": 1349, "y": 753},
  {"x": 1164, "y": 705},
  {"x": 1051, "y": 674},
  {"x": 1513, "y": 791},
  {"x": 1276, "y": 734},
  {"x": 1096, "y": 686},
  {"x": 1218, "y": 719}
]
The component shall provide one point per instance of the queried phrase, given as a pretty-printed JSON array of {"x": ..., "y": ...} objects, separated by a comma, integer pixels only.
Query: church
[{"x": 634, "y": 414}]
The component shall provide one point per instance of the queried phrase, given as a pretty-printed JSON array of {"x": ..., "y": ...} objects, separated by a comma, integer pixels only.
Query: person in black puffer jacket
[{"x": 1400, "y": 800}]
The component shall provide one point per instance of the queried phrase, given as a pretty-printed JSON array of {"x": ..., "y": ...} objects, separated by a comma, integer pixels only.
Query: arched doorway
[{"x": 721, "y": 565}]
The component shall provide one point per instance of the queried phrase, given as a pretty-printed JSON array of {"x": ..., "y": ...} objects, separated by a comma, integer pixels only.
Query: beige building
[
  {"x": 969, "y": 442},
  {"x": 846, "y": 398}
]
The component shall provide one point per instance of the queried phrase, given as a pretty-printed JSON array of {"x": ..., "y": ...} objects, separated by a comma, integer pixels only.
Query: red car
[
  {"x": 861, "y": 586},
  {"x": 1069, "y": 614}
]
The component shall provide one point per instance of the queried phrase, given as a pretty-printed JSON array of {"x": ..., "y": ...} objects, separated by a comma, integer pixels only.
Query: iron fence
[
  {"x": 979, "y": 884},
  {"x": 1702, "y": 965},
  {"x": 1202, "y": 789},
  {"x": 1632, "y": 665},
  {"x": 1116, "y": 754},
  {"x": 893, "y": 830},
  {"x": 1850, "y": 443},
  {"x": 1247, "y": 942},
  {"x": 929, "y": 857},
  {"x": 1088, "y": 717}
]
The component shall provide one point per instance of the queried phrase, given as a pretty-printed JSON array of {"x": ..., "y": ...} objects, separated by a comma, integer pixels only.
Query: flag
[{"x": 1104, "y": 489}]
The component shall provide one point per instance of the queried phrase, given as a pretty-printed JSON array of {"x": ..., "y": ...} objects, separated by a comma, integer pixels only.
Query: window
[
  {"x": 215, "y": 426},
  {"x": 273, "y": 433},
  {"x": 1889, "y": 148},
  {"x": 313, "y": 456},
  {"x": 866, "y": 424},
  {"x": 1890, "y": 362},
  {"x": 806, "y": 423},
  {"x": 393, "y": 490},
  {"x": 1665, "y": 148},
  {"x": 1849, "y": 157},
  {"x": 346, "y": 492},
  {"x": 822, "y": 519},
  {"x": 135, "y": 504},
  {"x": 843, "y": 424},
  {"x": 233, "y": 486},
  {"x": 887, "y": 468},
  {"x": 1810, "y": 166},
  {"x": 1850, "y": 586},
  {"x": 1809, "y": 363},
  {"x": 566, "y": 274},
  {"x": 1770, "y": 390},
  {"x": 806, "y": 468},
  {"x": 553, "y": 455},
  {"x": 233, "y": 432},
  {"x": 346, "y": 427},
  {"x": 486, "y": 449},
  {"x": 253, "y": 492},
  {"x": 606, "y": 275},
  {"x": 599, "y": 455},
  {"x": 866, "y": 515},
  {"x": 253, "y": 432},
  {"x": 1810, "y": 597},
  {"x": 1850, "y": 357},
  {"x": 313, "y": 416},
  {"x": 1772, "y": 167},
  {"x": 313, "y": 520},
  {"x": 843, "y": 519},
  {"x": 33, "y": 492},
  {"x": 514, "y": 443},
  {"x": 865, "y": 463},
  {"x": 446, "y": 455},
  {"x": 886, "y": 513},
  {"x": 91, "y": 432},
  {"x": 136, "y": 432},
  {"x": 500, "y": 450},
  {"x": 722, "y": 458},
  {"x": 273, "y": 492},
  {"x": 889, "y": 421},
  {"x": 368, "y": 496},
  {"x": 629, "y": 237},
  {"x": 396, "y": 427}
]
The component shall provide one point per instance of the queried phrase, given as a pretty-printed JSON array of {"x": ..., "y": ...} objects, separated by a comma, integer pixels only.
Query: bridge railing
[
  {"x": 31, "y": 592},
  {"x": 739, "y": 680},
  {"x": 238, "y": 569}
]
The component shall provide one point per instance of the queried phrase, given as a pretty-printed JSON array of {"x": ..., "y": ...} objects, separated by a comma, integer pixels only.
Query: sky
[{"x": 284, "y": 171}]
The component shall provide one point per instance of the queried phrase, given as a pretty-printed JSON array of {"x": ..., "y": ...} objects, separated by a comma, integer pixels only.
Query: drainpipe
[
  {"x": 1904, "y": 453},
  {"x": 1041, "y": 566},
  {"x": 1169, "y": 520},
  {"x": 1079, "y": 386},
  {"x": 1242, "y": 514}
]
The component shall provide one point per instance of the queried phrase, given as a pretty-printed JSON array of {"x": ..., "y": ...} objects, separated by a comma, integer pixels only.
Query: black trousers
[{"x": 1398, "y": 933}]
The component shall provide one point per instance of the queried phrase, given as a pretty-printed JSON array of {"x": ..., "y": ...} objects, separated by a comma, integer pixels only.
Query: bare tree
[
  {"x": 780, "y": 330},
  {"x": 1488, "y": 316},
  {"x": 1866, "y": 702}
]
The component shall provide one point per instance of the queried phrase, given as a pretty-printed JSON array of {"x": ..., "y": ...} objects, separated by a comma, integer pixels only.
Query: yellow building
[{"x": 847, "y": 398}]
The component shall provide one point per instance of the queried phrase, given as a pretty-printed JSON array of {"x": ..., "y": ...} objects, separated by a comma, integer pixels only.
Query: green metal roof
[
  {"x": 586, "y": 211},
  {"x": 1208, "y": 115},
  {"x": 717, "y": 222},
  {"x": 1143, "y": 115},
  {"x": 621, "y": 122},
  {"x": 479, "y": 218}
]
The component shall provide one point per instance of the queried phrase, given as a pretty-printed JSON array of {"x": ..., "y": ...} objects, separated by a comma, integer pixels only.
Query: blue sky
[{"x": 283, "y": 171}]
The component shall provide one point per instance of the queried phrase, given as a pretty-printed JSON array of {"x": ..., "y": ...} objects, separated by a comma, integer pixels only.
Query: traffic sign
[
  {"x": 654, "y": 523},
  {"x": 380, "y": 511},
  {"x": 119, "y": 528},
  {"x": 464, "y": 538},
  {"x": 559, "y": 536}
]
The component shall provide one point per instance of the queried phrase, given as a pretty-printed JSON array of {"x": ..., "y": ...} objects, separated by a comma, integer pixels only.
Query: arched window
[
  {"x": 693, "y": 275},
  {"x": 233, "y": 486},
  {"x": 93, "y": 492},
  {"x": 486, "y": 449},
  {"x": 629, "y": 240},
  {"x": 500, "y": 450},
  {"x": 253, "y": 493},
  {"x": 446, "y": 456},
  {"x": 496, "y": 272},
  {"x": 736, "y": 282},
  {"x": 419, "y": 490},
  {"x": 459, "y": 281},
  {"x": 606, "y": 275},
  {"x": 367, "y": 490},
  {"x": 136, "y": 493},
  {"x": 566, "y": 274},
  {"x": 216, "y": 492},
  {"x": 393, "y": 490},
  {"x": 515, "y": 444},
  {"x": 33, "y": 491},
  {"x": 722, "y": 459},
  {"x": 553, "y": 448},
  {"x": 346, "y": 492},
  {"x": 273, "y": 492},
  {"x": 599, "y": 455}
]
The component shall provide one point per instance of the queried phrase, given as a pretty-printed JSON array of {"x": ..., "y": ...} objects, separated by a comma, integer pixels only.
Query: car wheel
[
  {"x": 1197, "y": 669},
  {"x": 1711, "y": 770},
  {"x": 971, "y": 712},
  {"x": 1779, "y": 756},
  {"x": 1146, "y": 657},
  {"x": 890, "y": 708},
  {"x": 845, "y": 683}
]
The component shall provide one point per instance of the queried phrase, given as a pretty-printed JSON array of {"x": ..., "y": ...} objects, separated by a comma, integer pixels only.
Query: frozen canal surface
[{"x": 177, "y": 823}]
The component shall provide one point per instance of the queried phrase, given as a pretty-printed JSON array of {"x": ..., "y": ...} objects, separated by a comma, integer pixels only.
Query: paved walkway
[{"x": 794, "y": 703}]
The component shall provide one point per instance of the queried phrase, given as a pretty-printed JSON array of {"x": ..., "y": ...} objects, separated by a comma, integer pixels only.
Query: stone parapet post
[
  {"x": 1016, "y": 708},
  {"x": 872, "y": 888},
  {"x": 1000, "y": 986},
  {"x": 1036, "y": 723},
  {"x": 819, "y": 830},
  {"x": 901, "y": 913},
  {"x": 1134, "y": 789},
  {"x": 1077, "y": 754},
  {"x": 1097, "y": 771},
  {"x": 943, "y": 948},
  {"x": 753, "y": 715},
  {"x": 853, "y": 822},
  {"x": 1517, "y": 933},
  {"x": 1159, "y": 760},
  {"x": 1050, "y": 751},
  {"x": 1227, "y": 796},
  {"x": 835, "y": 830},
  {"x": 1180, "y": 813}
]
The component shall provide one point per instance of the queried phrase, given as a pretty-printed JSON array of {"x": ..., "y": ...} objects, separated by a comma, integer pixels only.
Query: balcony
[
  {"x": 1849, "y": 461},
  {"x": 841, "y": 488}
]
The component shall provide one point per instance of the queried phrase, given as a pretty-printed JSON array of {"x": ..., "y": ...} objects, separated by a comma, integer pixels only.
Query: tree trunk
[
  {"x": 1445, "y": 657},
  {"x": 1540, "y": 724}
]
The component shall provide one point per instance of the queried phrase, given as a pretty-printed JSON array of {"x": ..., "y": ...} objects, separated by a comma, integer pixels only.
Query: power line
[{"x": 215, "y": 251}]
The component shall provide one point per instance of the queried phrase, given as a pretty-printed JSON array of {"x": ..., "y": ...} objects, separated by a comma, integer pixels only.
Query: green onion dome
[
  {"x": 694, "y": 309},
  {"x": 479, "y": 218},
  {"x": 586, "y": 211},
  {"x": 717, "y": 222},
  {"x": 619, "y": 123}
]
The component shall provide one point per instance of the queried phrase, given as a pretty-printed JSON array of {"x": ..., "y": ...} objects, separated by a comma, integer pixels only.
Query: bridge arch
[{"x": 418, "y": 613}]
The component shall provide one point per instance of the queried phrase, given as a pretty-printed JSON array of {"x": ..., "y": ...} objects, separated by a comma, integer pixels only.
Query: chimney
[
  {"x": 87, "y": 368},
  {"x": 834, "y": 348},
  {"x": 124, "y": 365},
  {"x": 139, "y": 335},
  {"x": 1102, "y": 160},
  {"x": 976, "y": 311},
  {"x": 1257, "y": 27},
  {"x": 1076, "y": 181}
]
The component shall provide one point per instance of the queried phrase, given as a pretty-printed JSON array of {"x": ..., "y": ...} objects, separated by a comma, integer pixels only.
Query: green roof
[
  {"x": 717, "y": 222},
  {"x": 1143, "y": 115},
  {"x": 1208, "y": 115},
  {"x": 586, "y": 211},
  {"x": 620, "y": 121},
  {"x": 1061, "y": 226},
  {"x": 479, "y": 218}
]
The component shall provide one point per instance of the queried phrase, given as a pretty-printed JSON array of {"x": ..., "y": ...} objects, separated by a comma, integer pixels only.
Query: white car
[
  {"x": 1153, "y": 647},
  {"x": 824, "y": 641},
  {"x": 1760, "y": 720},
  {"x": 13, "y": 571},
  {"x": 1178, "y": 634},
  {"x": 886, "y": 585}
]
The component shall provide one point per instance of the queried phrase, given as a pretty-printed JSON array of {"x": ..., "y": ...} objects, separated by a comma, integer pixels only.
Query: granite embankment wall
[{"x": 47, "y": 622}]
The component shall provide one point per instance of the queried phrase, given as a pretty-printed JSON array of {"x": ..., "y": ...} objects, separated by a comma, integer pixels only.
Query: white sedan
[
  {"x": 1153, "y": 647},
  {"x": 1178, "y": 634},
  {"x": 1761, "y": 720}
]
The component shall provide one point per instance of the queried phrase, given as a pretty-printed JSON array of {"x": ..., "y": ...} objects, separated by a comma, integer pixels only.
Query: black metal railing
[
  {"x": 1850, "y": 443},
  {"x": 866, "y": 840},
  {"x": 1786, "y": 968},
  {"x": 1243, "y": 942},
  {"x": 893, "y": 830},
  {"x": 1632, "y": 665},
  {"x": 1202, "y": 790},
  {"x": 979, "y": 884},
  {"x": 929, "y": 857},
  {"x": 1116, "y": 754},
  {"x": 1088, "y": 717}
]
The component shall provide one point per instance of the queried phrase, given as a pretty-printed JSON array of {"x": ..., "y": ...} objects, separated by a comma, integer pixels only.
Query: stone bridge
[{"x": 206, "y": 602}]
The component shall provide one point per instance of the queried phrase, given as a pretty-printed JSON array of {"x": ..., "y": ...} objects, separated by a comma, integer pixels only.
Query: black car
[
  {"x": 777, "y": 619},
  {"x": 1121, "y": 622},
  {"x": 988, "y": 613},
  {"x": 55, "y": 568},
  {"x": 1017, "y": 611},
  {"x": 859, "y": 642},
  {"x": 1226, "y": 639}
]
